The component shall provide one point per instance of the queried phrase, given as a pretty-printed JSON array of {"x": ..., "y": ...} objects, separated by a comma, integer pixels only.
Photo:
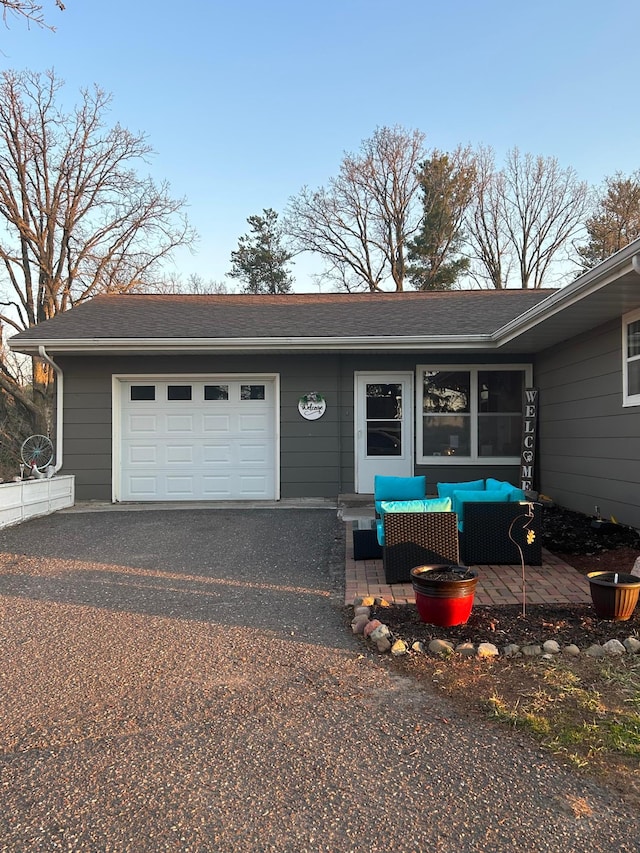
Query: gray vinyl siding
[
  {"x": 589, "y": 445},
  {"x": 316, "y": 457}
]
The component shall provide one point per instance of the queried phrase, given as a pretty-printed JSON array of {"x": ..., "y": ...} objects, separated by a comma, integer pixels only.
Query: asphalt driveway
[{"x": 185, "y": 680}]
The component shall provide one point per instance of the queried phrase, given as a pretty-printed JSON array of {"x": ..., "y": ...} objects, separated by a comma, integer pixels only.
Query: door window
[{"x": 384, "y": 419}]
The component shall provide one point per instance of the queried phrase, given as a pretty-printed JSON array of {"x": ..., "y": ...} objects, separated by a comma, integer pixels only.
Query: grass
[{"x": 586, "y": 711}]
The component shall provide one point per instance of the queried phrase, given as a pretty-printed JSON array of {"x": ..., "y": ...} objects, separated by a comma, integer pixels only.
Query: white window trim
[
  {"x": 628, "y": 399},
  {"x": 473, "y": 459}
]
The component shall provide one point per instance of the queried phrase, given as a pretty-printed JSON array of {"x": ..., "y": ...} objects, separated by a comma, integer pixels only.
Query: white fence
[{"x": 30, "y": 498}]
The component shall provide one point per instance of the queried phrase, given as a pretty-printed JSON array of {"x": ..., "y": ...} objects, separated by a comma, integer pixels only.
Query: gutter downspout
[
  {"x": 635, "y": 263},
  {"x": 59, "y": 387}
]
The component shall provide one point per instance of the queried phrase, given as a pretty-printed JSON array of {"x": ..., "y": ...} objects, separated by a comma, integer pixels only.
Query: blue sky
[{"x": 245, "y": 102}]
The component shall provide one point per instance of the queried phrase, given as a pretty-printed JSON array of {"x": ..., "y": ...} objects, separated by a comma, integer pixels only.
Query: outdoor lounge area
[
  {"x": 385, "y": 540},
  {"x": 553, "y": 582}
]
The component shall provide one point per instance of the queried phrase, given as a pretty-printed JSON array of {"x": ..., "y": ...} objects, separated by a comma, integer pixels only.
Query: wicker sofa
[
  {"x": 417, "y": 539},
  {"x": 488, "y": 512},
  {"x": 484, "y": 538}
]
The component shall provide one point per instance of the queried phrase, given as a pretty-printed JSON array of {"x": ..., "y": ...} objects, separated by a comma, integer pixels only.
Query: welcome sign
[
  {"x": 312, "y": 406},
  {"x": 529, "y": 428}
]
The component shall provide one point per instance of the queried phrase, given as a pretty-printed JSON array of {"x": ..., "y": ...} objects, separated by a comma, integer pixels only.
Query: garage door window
[
  {"x": 143, "y": 392},
  {"x": 252, "y": 392},
  {"x": 216, "y": 392},
  {"x": 178, "y": 392}
]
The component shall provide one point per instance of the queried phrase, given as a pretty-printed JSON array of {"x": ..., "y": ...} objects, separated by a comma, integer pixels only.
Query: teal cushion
[
  {"x": 427, "y": 505},
  {"x": 492, "y": 484},
  {"x": 446, "y": 490},
  {"x": 515, "y": 494},
  {"x": 398, "y": 489},
  {"x": 461, "y": 497}
]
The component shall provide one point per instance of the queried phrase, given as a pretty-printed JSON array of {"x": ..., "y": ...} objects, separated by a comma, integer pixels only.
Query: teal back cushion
[
  {"x": 427, "y": 505},
  {"x": 515, "y": 494},
  {"x": 398, "y": 489},
  {"x": 446, "y": 490},
  {"x": 461, "y": 497}
]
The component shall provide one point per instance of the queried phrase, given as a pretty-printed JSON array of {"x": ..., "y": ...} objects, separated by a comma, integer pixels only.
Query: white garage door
[{"x": 197, "y": 439}]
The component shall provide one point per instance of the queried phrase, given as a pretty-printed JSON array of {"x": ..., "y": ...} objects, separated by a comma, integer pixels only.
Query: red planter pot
[
  {"x": 444, "y": 594},
  {"x": 614, "y": 594}
]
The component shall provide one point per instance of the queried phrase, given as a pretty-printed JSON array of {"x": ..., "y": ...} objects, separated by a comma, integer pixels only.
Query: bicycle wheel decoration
[{"x": 37, "y": 449}]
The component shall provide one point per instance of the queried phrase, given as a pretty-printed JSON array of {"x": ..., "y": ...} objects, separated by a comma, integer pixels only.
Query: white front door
[{"x": 383, "y": 427}]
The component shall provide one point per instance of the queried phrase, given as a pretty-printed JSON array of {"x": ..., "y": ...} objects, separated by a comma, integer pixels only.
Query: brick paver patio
[{"x": 554, "y": 582}]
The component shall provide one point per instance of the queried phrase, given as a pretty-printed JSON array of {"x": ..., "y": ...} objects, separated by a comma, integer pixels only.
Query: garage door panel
[
  {"x": 179, "y": 488},
  {"x": 198, "y": 449},
  {"x": 252, "y": 453},
  {"x": 217, "y": 487},
  {"x": 216, "y": 423},
  {"x": 252, "y": 485},
  {"x": 216, "y": 454},
  {"x": 180, "y": 423},
  {"x": 253, "y": 423},
  {"x": 180, "y": 453},
  {"x": 142, "y": 423},
  {"x": 144, "y": 454},
  {"x": 143, "y": 488}
]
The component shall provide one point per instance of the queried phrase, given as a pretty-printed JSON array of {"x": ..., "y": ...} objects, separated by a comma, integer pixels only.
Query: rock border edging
[{"x": 380, "y": 635}]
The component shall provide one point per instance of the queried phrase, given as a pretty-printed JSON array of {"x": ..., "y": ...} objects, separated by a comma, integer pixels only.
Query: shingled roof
[{"x": 133, "y": 318}]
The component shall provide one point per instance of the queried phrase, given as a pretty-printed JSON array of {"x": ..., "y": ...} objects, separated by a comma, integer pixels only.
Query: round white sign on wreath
[{"x": 312, "y": 406}]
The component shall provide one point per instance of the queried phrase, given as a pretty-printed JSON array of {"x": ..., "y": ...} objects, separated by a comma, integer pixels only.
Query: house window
[
  {"x": 631, "y": 359},
  {"x": 470, "y": 413}
]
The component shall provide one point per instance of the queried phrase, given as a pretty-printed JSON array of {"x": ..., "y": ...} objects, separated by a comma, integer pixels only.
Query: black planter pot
[
  {"x": 444, "y": 593},
  {"x": 614, "y": 594}
]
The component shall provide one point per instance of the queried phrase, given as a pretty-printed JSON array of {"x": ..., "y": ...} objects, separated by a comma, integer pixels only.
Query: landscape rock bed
[
  {"x": 493, "y": 631},
  {"x": 582, "y": 543}
]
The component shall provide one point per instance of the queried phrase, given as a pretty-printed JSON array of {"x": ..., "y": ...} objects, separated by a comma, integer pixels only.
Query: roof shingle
[{"x": 146, "y": 317}]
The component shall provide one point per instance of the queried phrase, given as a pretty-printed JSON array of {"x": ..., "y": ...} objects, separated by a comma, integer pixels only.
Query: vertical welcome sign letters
[{"x": 529, "y": 426}]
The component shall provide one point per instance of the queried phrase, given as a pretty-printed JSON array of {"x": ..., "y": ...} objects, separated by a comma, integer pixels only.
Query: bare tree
[
  {"x": 194, "y": 285},
  {"x": 29, "y": 10},
  {"x": 488, "y": 245},
  {"x": 76, "y": 219},
  {"x": 530, "y": 211},
  {"x": 361, "y": 222}
]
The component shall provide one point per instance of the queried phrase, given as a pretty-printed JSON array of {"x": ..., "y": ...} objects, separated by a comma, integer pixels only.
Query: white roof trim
[{"x": 290, "y": 344}]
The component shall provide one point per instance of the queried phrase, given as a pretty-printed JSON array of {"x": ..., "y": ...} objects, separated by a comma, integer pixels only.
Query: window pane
[
  {"x": 252, "y": 392},
  {"x": 216, "y": 392},
  {"x": 178, "y": 392},
  {"x": 384, "y": 438},
  {"x": 499, "y": 435},
  {"x": 633, "y": 339},
  {"x": 446, "y": 436},
  {"x": 634, "y": 377},
  {"x": 500, "y": 390},
  {"x": 384, "y": 401},
  {"x": 143, "y": 392},
  {"x": 446, "y": 391}
]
